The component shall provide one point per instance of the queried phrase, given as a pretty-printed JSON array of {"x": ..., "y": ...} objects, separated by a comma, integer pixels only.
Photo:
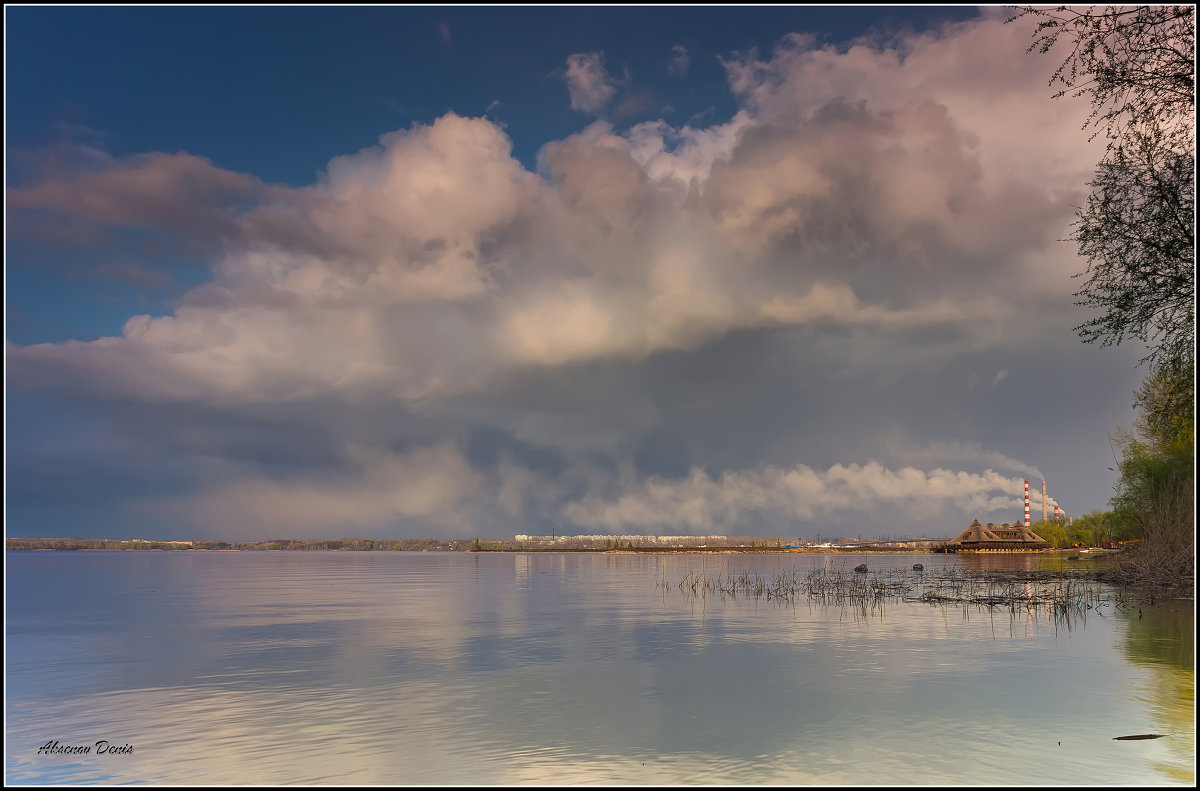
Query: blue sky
[{"x": 459, "y": 271}]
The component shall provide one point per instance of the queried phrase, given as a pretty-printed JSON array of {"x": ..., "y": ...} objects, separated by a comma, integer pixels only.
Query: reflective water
[{"x": 453, "y": 668}]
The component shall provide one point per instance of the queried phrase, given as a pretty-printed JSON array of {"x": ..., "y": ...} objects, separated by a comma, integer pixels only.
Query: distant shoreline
[
  {"x": 732, "y": 550},
  {"x": 554, "y": 550}
]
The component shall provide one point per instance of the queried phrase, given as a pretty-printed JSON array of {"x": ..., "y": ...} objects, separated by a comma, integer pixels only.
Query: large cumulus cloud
[{"x": 880, "y": 209}]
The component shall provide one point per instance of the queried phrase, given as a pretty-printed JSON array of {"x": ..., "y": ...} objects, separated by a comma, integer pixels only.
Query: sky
[{"x": 452, "y": 271}]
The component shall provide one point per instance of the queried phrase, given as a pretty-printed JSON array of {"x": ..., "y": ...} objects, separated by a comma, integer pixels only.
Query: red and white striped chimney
[
  {"x": 1026, "y": 502},
  {"x": 1056, "y": 513}
]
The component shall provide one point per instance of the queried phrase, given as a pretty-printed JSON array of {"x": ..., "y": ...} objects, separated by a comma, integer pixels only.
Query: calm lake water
[{"x": 455, "y": 668}]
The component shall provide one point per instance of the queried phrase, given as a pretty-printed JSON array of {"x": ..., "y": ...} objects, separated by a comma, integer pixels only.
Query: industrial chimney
[
  {"x": 1044, "y": 512},
  {"x": 1056, "y": 513},
  {"x": 1026, "y": 502}
]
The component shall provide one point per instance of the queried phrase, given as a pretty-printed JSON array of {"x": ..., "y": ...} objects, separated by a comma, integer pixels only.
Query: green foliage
[
  {"x": 1087, "y": 531},
  {"x": 1167, "y": 402},
  {"x": 1082, "y": 534},
  {"x": 1147, "y": 475},
  {"x": 1053, "y": 533},
  {"x": 1155, "y": 496},
  {"x": 1158, "y": 458},
  {"x": 1099, "y": 526}
]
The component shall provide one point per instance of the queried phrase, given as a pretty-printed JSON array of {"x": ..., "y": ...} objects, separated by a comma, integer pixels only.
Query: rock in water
[
  {"x": 861, "y": 567},
  {"x": 918, "y": 567}
]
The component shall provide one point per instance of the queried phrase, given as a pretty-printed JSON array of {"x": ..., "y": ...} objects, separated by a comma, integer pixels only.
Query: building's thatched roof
[{"x": 997, "y": 536}]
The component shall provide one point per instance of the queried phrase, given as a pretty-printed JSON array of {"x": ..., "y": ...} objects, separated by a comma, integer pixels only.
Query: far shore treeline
[
  {"x": 1092, "y": 530},
  {"x": 560, "y": 544},
  {"x": 532, "y": 544}
]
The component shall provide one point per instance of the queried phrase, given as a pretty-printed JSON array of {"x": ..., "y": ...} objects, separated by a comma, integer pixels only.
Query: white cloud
[
  {"x": 868, "y": 195},
  {"x": 590, "y": 86},
  {"x": 681, "y": 61},
  {"x": 433, "y": 487},
  {"x": 684, "y": 155},
  {"x": 333, "y": 288},
  {"x": 840, "y": 195}
]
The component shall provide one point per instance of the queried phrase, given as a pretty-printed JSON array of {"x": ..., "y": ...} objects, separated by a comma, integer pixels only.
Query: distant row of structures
[
  {"x": 977, "y": 537},
  {"x": 688, "y": 540},
  {"x": 684, "y": 542}
]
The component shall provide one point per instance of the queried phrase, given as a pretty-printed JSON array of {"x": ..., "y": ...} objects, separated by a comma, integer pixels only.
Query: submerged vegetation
[{"x": 1061, "y": 595}]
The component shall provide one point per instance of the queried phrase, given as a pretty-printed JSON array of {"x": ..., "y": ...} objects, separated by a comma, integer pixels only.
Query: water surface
[{"x": 455, "y": 668}]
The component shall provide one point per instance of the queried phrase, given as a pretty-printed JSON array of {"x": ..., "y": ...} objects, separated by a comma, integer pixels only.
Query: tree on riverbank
[
  {"x": 1136, "y": 233},
  {"x": 1136, "y": 65},
  {"x": 1155, "y": 496}
]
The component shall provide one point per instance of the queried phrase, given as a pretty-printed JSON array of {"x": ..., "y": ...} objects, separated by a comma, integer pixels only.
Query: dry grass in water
[
  {"x": 1063, "y": 594},
  {"x": 1164, "y": 563}
]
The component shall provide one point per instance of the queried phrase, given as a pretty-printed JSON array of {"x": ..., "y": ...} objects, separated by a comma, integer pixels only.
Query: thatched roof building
[{"x": 1011, "y": 537}]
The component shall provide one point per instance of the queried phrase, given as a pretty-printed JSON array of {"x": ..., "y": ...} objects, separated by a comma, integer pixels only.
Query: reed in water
[{"x": 1062, "y": 593}]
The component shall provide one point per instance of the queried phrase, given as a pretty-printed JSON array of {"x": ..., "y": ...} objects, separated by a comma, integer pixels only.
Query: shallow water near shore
[{"x": 497, "y": 668}]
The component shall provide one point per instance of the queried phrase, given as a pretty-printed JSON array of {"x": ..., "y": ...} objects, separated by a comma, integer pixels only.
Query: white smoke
[
  {"x": 702, "y": 503},
  {"x": 934, "y": 453}
]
